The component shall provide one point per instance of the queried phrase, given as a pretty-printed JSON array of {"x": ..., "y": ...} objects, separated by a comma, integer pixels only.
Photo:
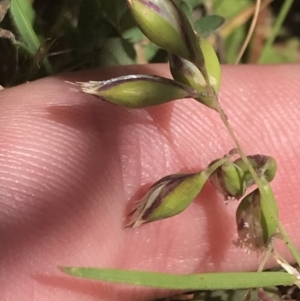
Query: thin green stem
[
  {"x": 256, "y": 178},
  {"x": 278, "y": 24},
  {"x": 283, "y": 12},
  {"x": 258, "y": 182},
  {"x": 289, "y": 243},
  {"x": 260, "y": 269},
  {"x": 265, "y": 259}
]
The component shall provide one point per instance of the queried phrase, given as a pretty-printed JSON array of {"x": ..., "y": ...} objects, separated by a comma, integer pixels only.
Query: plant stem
[
  {"x": 258, "y": 182},
  {"x": 289, "y": 243},
  {"x": 278, "y": 24},
  {"x": 250, "y": 32},
  {"x": 266, "y": 257},
  {"x": 224, "y": 119}
]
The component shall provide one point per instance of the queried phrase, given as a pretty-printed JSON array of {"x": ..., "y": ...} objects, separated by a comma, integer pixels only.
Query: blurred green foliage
[{"x": 43, "y": 37}]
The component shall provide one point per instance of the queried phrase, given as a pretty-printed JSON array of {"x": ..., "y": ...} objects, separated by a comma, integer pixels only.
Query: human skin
[{"x": 71, "y": 166}]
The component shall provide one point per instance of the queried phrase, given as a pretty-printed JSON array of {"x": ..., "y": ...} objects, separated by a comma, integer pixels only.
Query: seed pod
[
  {"x": 212, "y": 64},
  {"x": 167, "y": 197},
  {"x": 248, "y": 221},
  {"x": 229, "y": 180},
  {"x": 256, "y": 219},
  {"x": 163, "y": 22},
  {"x": 138, "y": 91},
  {"x": 170, "y": 196},
  {"x": 269, "y": 209},
  {"x": 265, "y": 166},
  {"x": 187, "y": 73}
]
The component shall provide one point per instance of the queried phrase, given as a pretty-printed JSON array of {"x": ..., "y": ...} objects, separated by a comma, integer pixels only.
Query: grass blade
[
  {"x": 210, "y": 281},
  {"x": 286, "y": 6},
  {"x": 23, "y": 16}
]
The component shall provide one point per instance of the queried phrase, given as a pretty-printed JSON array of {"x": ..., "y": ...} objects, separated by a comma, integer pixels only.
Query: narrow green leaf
[
  {"x": 286, "y": 6},
  {"x": 207, "y": 25},
  {"x": 211, "y": 281},
  {"x": 233, "y": 42},
  {"x": 23, "y": 16}
]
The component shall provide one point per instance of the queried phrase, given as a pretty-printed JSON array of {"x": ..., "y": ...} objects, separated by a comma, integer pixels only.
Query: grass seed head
[
  {"x": 164, "y": 23},
  {"x": 265, "y": 166},
  {"x": 229, "y": 180},
  {"x": 138, "y": 91},
  {"x": 167, "y": 197},
  {"x": 249, "y": 223}
]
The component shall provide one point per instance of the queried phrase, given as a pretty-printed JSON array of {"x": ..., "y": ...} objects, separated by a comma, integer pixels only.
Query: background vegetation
[{"x": 43, "y": 37}]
